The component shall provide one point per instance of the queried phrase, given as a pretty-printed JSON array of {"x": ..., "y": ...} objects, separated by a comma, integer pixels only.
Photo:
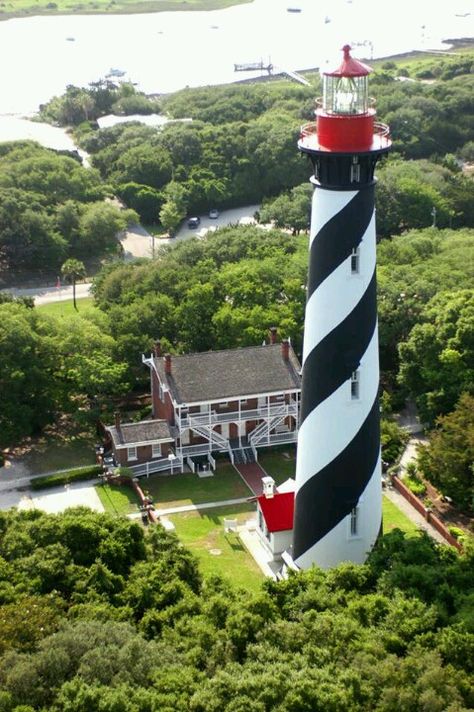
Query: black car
[{"x": 194, "y": 222}]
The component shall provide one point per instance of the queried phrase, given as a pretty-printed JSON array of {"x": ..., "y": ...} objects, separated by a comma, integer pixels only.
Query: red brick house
[
  {"x": 148, "y": 441},
  {"x": 232, "y": 401}
]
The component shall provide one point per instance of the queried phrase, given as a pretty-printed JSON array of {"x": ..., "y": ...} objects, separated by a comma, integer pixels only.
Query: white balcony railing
[{"x": 214, "y": 418}]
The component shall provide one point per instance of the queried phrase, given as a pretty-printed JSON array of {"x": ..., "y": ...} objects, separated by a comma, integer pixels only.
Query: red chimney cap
[{"x": 349, "y": 66}]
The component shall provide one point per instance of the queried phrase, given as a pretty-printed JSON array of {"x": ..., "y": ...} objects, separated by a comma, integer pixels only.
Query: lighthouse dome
[{"x": 349, "y": 66}]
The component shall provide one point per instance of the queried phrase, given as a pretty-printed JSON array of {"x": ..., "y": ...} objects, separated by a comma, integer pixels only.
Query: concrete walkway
[
  {"x": 54, "y": 500},
  {"x": 196, "y": 507},
  {"x": 410, "y": 453},
  {"x": 413, "y": 515}
]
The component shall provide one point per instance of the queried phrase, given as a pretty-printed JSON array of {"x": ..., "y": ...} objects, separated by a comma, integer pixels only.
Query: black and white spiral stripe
[{"x": 338, "y": 460}]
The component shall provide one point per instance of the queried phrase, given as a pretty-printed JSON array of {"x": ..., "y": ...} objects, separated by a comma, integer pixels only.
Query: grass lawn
[
  {"x": 118, "y": 500},
  {"x": 188, "y": 488},
  {"x": 66, "y": 307},
  {"x": 277, "y": 465},
  {"x": 393, "y": 518},
  {"x": 22, "y": 8},
  {"x": 203, "y": 533}
]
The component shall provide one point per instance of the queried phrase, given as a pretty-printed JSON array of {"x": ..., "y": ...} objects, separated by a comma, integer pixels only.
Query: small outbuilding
[
  {"x": 135, "y": 443},
  {"x": 275, "y": 513}
]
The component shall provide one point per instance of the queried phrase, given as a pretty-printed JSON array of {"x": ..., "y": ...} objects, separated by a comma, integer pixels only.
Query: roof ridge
[{"x": 198, "y": 354}]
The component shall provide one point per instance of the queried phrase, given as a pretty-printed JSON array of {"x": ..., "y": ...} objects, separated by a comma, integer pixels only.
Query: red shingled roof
[{"x": 278, "y": 510}]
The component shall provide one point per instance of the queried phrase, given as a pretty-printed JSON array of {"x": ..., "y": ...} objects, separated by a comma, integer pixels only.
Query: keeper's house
[{"x": 232, "y": 401}]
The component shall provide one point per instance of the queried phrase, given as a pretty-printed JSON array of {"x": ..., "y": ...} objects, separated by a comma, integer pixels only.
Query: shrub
[
  {"x": 456, "y": 532},
  {"x": 415, "y": 485},
  {"x": 66, "y": 477}
]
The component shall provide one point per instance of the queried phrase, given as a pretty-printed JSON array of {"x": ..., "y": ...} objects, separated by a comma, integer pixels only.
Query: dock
[{"x": 254, "y": 67}]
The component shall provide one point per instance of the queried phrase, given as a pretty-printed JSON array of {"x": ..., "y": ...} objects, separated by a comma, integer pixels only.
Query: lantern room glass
[{"x": 345, "y": 95}]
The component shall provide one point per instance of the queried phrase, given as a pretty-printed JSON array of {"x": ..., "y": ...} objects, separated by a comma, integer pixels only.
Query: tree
[
  {"x": 99, "y": 226},
  {"x": 447, "y": 460},
  {"x": 72, "y": 270},
  {"x": 27, "y": 388},
  {"x": 437, "y": 359},
  {"x": 28, "y": 239},
  {"x": 171, "y": 216},
  {"x": 290, "y": 211}
]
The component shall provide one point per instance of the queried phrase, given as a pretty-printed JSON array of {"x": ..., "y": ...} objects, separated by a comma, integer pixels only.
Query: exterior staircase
[
  {"x": 218, "y": 441},
  {"x": 262, "y": 431}
]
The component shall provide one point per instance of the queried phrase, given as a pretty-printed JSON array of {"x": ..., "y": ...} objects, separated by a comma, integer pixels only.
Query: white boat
[{"x": 115, "y": 73}]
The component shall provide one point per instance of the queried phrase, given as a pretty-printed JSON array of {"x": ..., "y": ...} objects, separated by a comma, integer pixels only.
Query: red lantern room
[{"x": 345, "y": 115}]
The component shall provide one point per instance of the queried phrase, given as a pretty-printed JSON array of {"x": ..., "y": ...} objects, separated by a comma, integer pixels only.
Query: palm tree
[{"x": 72, "y": 270}]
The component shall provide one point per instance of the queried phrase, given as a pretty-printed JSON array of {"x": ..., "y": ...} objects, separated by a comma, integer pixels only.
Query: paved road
[
  {"x": 137, "y": 242},
  {"x": 46, "y": 295}
]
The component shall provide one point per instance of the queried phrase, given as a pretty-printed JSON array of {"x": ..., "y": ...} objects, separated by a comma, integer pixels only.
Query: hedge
[{"x": 66, "y": 477}]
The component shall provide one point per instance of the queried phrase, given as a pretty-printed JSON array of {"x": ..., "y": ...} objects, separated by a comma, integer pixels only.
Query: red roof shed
[{"x": 278, "y": 511}]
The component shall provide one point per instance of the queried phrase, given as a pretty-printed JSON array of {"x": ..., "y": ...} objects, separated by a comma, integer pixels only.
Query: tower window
[
  {"x": 355, "y": 385},
  {"x": 355, "y": 173},
  {"x": 355, "y": 259},
  {"x": 354, "y": 523}
]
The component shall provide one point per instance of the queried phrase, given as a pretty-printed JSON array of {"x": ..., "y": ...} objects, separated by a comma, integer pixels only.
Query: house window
[
  {"x": 156, "y": 450},
  {"x": 355, "y": 260},
  {"x": 132, "y": 453},
  {"x": 354, "y": 523},
  {"x": 355, "y": 385}
]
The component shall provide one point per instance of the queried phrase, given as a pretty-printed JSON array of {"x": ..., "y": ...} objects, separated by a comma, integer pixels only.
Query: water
[{"x": 163, "y": 52}]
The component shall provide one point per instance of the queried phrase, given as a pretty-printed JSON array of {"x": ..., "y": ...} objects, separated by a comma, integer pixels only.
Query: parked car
[
  {"x": 194, "y": 222},
  {"x": 213, "y": 213}
]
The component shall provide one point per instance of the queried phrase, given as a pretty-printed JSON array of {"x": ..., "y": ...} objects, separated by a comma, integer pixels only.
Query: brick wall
[
  {"x": 128, "y": 482},
  {"x": 428, "y": 514}
]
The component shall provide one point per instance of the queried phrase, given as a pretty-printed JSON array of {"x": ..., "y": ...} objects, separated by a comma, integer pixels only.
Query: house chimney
[
  {"x": 168, "y": 364},
  {"x": 118, "y": 424},
  {"x": 268, "y": 487},
  {"x": 273, "y": 334},
  {"x": 285, "y": 349},
  {"x": 157, "y": 348}
]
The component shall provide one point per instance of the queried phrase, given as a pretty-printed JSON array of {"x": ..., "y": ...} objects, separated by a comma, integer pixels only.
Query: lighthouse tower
[{"x": 338, "y": 508}]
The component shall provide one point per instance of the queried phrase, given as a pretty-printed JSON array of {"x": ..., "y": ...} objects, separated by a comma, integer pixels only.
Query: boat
[
  {"x": 71, "y": 39},
  {"x": 116, "y": 73}
]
